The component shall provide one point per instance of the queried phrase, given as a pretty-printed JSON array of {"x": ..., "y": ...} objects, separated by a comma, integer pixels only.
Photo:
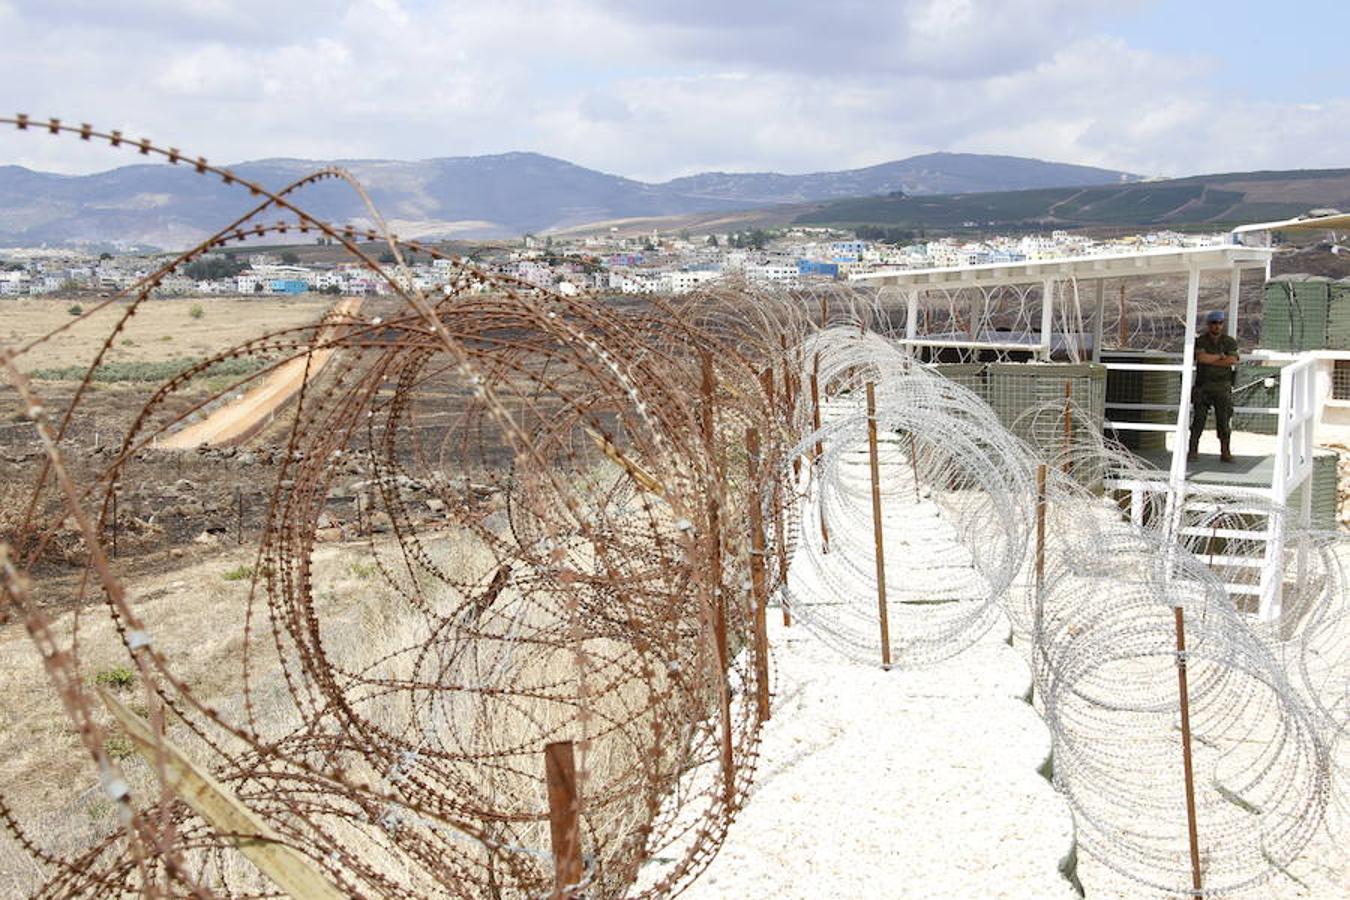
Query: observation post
[{"x": 1133, "y": 317}]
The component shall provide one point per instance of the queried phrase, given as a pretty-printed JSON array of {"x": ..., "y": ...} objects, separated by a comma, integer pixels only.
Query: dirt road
[{"x": 237, "y": 421}]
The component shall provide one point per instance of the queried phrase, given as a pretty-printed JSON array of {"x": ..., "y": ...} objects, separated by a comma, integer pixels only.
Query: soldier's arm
[
  {"x": 1229, "y": 358},
  {"x": 1204, "y": 357}
]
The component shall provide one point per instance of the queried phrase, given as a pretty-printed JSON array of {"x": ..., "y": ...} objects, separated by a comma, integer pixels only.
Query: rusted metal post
[
  {"x": 768, "y": 384},
  {"x": 876, "y": 524},
  {"x": 757, "y": 577},
  {"x": 239, "y": 515},
  {"x": 780, "y": 545},
  {"x": 1040, "y": 527},
  {"x": 708, "y": 389},
  {"x": 766, "y": 379},
  {"x": 1191, "y": 831},
  {"x": 820, "y": 448},
  {"x": 789, "y": 395},
  {"x": 560, "y": 773},
  {"x": 815, "y": 403}
]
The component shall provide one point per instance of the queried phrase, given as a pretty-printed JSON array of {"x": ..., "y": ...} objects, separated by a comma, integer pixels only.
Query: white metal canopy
[
  {"x": 1330, "y": 222},
  {"x": 1168, "y": 261}
]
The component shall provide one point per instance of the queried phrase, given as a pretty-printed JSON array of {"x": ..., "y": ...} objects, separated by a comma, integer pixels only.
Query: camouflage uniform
[{"x": 1213, "y": 387}]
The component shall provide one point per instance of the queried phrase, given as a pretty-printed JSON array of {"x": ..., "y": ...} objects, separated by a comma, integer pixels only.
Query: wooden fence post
[
  {"x": 757, "y": 579},
  {"x": 1191, "y": 830},
  {"x": 876, "y": 524},
  {"x": 560, "y": 773}
]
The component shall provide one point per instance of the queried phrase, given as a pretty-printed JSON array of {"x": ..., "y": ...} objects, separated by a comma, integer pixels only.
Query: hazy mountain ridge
[
  {"x": 480, "y": 196},
  {"x": 1220, "y": 200},
  {"x": 931, "y": 173}
]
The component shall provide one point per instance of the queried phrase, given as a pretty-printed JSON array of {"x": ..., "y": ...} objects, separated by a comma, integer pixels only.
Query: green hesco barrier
[
  {"x": 1297, "y": 313},
  {"x": 1143, "y": 387},
  {"x": 1016, "y": 391},
  {"x": 1251, "y": 390},
  {"x": 1325, "y": 492}
]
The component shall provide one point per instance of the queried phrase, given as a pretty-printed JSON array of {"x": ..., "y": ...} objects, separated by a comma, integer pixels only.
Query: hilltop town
[{"x": 653, "y": 263}]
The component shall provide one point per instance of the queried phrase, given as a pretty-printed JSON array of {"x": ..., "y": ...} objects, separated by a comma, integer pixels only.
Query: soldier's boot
[{"x": 1225, "y": 449}]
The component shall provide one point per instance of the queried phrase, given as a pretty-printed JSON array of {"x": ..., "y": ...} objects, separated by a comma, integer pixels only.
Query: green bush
[
  {"x": 364, "y": 570},
  {"x": 118, "y": 747},
  {"x": 154, "y": 371},
  {"x": 238, "y": 573},
  {"x": 75, "y": 309},
  {"x": 196, "y": 311},
  {"x": 118, "y": 678}
]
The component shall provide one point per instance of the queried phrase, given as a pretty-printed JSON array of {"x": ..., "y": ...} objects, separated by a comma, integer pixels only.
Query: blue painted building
[
  {"x": 812, "y": 267},
  {"x": 287, "y": 286}
]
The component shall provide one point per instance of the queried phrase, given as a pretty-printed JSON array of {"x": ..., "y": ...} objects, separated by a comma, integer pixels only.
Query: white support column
[
  {"x": 1181, "y": 439},
  {"x": 911, "y": 314},
  {"x": 1047, "y": 316},
  {"x": 1234, "y": 291}
]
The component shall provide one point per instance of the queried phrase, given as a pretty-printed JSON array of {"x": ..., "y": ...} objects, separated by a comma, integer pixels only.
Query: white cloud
[{"x": 649, "y": 90}]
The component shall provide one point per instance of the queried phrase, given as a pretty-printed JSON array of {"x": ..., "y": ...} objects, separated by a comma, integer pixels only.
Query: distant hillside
[
  {"x": 932, "y": 173},
  {"x": 1218, "y": 200},
  {"x": 470, "y": 196},
  {"x": 484, "y": 196}
]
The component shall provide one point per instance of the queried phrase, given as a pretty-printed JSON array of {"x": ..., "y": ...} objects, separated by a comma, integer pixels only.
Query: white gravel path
[{"x": 897, "y": 784}]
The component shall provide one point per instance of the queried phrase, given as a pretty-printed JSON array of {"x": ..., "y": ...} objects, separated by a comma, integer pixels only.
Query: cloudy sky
[{"x": 653, "y": 89}]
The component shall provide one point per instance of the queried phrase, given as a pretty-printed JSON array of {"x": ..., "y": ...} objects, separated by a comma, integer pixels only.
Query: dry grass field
[
  {"x": 196, "y": 615},
  {"x": 161, "y": 330}
]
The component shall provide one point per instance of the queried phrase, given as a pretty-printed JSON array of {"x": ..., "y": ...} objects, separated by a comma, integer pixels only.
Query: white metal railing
[
  {"x": 1293, "y": 466},
  {"x": 1296, "y": 417},
  {"x": 1294, "y": 434}
]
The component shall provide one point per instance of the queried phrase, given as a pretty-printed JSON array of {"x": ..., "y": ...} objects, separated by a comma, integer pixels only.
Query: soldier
[{"x": 1216, "y": 355}]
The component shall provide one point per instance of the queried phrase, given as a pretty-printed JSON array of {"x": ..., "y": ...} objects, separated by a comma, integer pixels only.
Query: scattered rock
[{"x": 497, "y": 522}]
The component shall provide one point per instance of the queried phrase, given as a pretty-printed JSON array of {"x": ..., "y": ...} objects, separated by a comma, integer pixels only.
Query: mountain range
[
  {"x": 1217, "y": 201},
  {"x": 500, "y": 195}
]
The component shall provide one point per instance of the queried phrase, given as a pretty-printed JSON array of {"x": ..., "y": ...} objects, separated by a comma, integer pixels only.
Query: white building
[
  {"x": 783, "y": 276},
  {"x": 684, "y": 282}
]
